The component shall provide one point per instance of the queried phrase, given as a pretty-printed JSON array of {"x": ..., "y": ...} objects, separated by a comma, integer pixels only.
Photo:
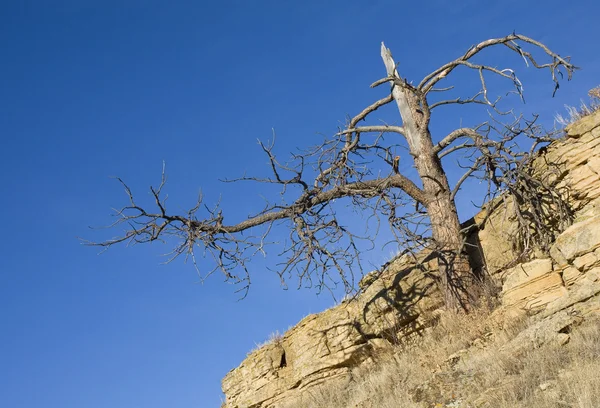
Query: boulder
[{"x": 576, "y": 240}]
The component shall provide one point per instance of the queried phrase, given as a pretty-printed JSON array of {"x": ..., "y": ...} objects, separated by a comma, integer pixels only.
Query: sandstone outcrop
[
  {"x": 532, "y": 285},
  {"x": 559, "y": 290},
  {"x": 325, "y": 346}
]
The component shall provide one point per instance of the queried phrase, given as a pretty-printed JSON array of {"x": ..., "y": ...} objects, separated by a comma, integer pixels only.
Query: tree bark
[
  {"x": 457, "y": 279},
  {"x": 456, "y": 276}
]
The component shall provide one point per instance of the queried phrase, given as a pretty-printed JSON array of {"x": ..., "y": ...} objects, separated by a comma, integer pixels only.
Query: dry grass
[
  {"x": 273, "y": 338},
  {"x": 575, "y": 113},
  {"x": 459, "y": 363},
  {"x": 551, "y": 376}
]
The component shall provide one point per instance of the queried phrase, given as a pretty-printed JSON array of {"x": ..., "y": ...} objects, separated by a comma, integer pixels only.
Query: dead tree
[{"x": 351, "y": 166}]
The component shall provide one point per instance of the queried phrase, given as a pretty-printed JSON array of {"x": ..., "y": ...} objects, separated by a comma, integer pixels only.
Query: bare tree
[{"x": 323, "y": 251}]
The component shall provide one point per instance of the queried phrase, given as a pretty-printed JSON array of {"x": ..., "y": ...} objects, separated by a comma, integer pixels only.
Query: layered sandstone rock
[
  {"x": 532, "y": 285},
  {"x": 572, "y": 165},
  {"x": 325, "y": 346}
]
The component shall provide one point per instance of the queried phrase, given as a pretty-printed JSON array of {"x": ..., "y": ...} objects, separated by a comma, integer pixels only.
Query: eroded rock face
[
  {"x": 552, "y": 329},
  {"x": 532, "y": 285},
  {"x": 577, "y": 241},
  {"x": 560, "y": 290},
  {"x": 325, "y": 346}
]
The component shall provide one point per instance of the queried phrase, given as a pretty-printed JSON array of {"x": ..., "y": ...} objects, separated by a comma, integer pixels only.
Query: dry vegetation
[
  {"x": 274, "y": 337},
  {"x": 575, "y": 113},
  {"x": 461, "y": 363}
]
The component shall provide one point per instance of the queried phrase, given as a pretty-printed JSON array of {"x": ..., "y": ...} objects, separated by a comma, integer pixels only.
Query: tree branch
[
  {"x": 510, "y": 41},
  {"x": 456, "y": 134},
  {"x": 374, "y": 129},
  {"x": 369, "y": 188}
]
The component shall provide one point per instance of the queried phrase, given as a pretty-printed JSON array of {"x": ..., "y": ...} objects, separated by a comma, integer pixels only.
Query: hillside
[{"x": 537, "y": 343}]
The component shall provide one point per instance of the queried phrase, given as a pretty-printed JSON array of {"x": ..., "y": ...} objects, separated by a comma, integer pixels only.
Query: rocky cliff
[{"x": 557, "y": 289}]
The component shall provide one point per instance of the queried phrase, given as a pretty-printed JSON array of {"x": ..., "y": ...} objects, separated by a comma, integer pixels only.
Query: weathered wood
[{"x": 455, "y": 273}]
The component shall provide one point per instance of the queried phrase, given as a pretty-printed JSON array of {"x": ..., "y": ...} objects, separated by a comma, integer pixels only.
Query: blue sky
[{"x": 93, "y": 89}]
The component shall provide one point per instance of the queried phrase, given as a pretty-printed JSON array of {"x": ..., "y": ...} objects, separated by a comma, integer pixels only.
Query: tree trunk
[{"x": 457, "y": 279}]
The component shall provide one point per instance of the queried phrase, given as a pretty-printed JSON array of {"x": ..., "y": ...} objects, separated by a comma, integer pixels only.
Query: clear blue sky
[{"x": 92, "y": 89}]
